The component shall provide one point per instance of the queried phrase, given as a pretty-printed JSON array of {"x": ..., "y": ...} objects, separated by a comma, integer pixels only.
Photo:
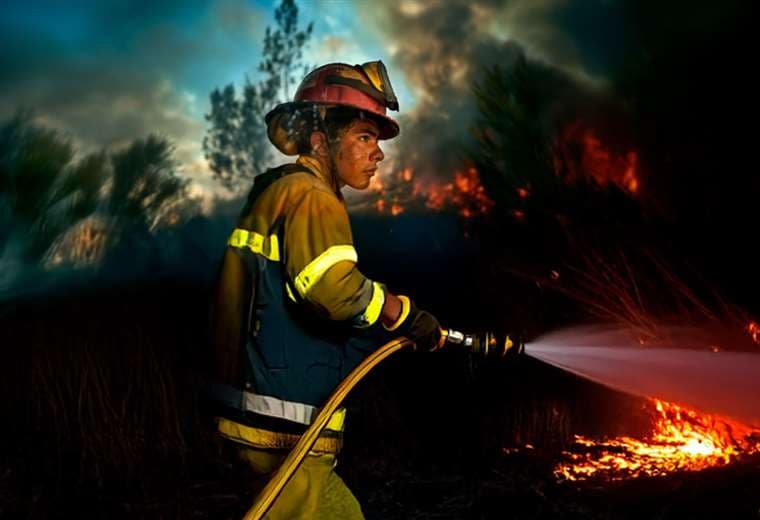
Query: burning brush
[
  {"x": 681, "y": 440},
  {"x": 400, "y": 192}
]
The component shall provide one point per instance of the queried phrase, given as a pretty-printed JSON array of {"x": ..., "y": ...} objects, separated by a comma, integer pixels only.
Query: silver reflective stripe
[{"x": 273, "y": 407}]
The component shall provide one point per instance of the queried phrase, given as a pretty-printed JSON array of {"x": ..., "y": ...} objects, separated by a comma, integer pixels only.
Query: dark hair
[{"x": 335, "y": 124}]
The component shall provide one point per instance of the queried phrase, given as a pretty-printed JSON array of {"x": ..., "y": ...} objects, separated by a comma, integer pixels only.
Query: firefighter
[{"x": 293, "y": 314}]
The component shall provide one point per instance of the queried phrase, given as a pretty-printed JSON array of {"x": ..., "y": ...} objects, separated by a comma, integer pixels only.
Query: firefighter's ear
[{"x": 318, "y": 143}]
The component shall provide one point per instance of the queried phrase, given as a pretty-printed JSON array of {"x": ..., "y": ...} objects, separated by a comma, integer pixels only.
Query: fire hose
[{"x": 487, "y": 344}]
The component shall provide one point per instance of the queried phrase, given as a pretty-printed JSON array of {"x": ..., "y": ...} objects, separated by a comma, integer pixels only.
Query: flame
[
  {"x": 682, "y": 440},
  {"x": 583, "y": 154},
  {"x": 401, "y": 192},
  {"x": 754, "y": 331}
]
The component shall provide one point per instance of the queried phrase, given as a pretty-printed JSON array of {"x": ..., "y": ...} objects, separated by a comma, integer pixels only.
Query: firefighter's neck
[
  {"x": 322, "y": 157},
  {"x": 323, "y": 167}
]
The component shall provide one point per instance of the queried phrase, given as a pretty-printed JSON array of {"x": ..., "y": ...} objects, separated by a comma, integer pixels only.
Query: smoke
[{"x": 443, "y": 49}]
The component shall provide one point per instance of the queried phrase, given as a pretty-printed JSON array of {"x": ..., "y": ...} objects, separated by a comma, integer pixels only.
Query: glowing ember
[
  {"x": 403, "y": 192},
  {"x": 682, "y": 440},
  {"x": 754, "y": 330}
]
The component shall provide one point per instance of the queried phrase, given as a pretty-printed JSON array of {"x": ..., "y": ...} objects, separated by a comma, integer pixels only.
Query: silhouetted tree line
[{"x": 46, "y": 191}]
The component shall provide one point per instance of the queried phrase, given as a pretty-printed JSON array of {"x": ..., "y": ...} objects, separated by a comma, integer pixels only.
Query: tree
[
  {"x": 42, "y": 190},
  {"x": 145, "y": 185},
  {"x": 45, "y": 193},
  {"x": 236, "y": 144},
  {"x": 513, "y": 144},
  {"x": 530, "y": 164}
]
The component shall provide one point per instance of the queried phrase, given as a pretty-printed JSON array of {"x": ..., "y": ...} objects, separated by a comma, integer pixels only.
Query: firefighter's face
[{"x": 357, "y": 154}]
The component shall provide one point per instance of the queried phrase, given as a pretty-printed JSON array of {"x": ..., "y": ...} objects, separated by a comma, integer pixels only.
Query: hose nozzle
[{"x": 488, "y": 344}]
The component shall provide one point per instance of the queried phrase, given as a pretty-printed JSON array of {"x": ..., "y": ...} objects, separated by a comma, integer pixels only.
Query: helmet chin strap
[
  {"x": 329, "y": 164},
  {"x": 332, "y": 148},
  {"x": 332, "y": 152}
]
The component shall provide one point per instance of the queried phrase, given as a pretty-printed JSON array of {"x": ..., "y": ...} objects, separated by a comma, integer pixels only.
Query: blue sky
[{"x": 109, "y": 72}]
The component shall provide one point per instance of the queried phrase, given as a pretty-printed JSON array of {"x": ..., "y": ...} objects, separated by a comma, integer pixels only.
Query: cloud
[{"x": 106, "y": 95}]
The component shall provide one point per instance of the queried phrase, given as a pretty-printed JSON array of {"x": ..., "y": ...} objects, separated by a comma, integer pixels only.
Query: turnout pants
[{"x": 314, "y": 492}]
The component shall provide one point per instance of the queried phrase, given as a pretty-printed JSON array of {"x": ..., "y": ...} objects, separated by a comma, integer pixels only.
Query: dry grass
[{"x": 644, "y": 292}]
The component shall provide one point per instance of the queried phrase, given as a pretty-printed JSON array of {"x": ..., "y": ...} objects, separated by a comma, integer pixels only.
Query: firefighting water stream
[
  {"x": 704, "y": 398},
  {"x": 709, "y": 377}
]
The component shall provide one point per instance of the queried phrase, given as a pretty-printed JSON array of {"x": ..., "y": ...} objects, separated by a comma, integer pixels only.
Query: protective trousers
[{"x": 314, "y": 492}]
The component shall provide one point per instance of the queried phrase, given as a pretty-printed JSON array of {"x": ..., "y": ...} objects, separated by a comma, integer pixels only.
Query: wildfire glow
[
  {"x": 754, "y": 331},
  {"x": 682, "y": 440},
  {"x": 81, "y": 246},
  {"x": 584, "y": 154},
  {"x": 402, "y": 191}
]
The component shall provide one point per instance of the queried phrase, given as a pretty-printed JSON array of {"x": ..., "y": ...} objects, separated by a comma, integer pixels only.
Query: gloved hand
[{"x": 419, "y": 326}]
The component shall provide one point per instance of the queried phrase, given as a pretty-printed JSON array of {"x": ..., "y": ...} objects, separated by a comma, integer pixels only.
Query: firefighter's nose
[{"x": 377, "y": 155}]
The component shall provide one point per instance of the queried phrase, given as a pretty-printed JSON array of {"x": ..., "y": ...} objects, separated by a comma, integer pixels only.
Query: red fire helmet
[{"x": 364, "y": 87}]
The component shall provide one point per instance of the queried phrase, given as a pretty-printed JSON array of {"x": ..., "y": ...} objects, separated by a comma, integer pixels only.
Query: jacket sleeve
[{"x": 320, "y": 259}]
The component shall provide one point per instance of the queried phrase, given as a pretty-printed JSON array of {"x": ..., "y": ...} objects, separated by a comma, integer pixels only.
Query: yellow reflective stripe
[
  {"x": 316, "y": 269},
  {"x": 243, "y": 238},
  {"x": 274, "y": 248},
  {"x": 374, "y": 307},
  {"x": 406, "y": 307},
  {"x": 261, "y": 438}
]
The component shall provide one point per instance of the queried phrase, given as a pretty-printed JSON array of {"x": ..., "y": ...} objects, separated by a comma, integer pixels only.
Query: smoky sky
[
  {"x": 107, "y": 73},
  {"x": 444, "y": 47}
]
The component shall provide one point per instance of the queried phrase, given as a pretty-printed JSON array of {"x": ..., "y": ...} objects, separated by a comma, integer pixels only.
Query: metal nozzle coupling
[{"x": 488, "y": 344}]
